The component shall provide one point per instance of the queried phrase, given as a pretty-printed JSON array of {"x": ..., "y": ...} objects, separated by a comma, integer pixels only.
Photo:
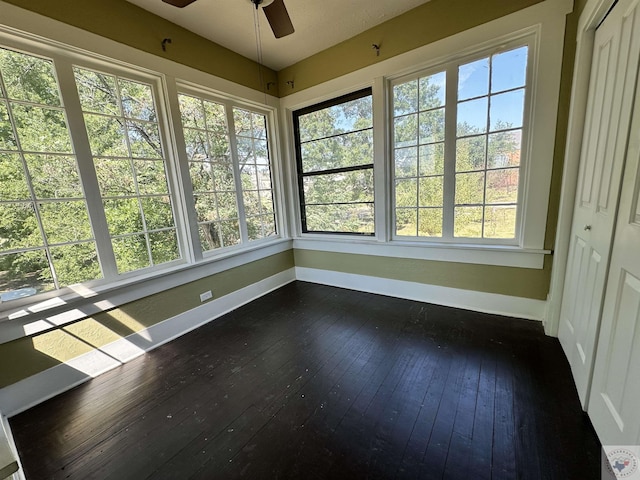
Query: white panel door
[
  {"x": 614, "y": 405},
  {"x": 612, "y": 83}
]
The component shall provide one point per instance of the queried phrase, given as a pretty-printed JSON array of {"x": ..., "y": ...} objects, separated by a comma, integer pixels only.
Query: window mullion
[
  {"x": 450, "y": 121},
  {"x": 235, "y": 161},
  {"x": 84, "y": 159},
  {"x": 381, "y": 168}
]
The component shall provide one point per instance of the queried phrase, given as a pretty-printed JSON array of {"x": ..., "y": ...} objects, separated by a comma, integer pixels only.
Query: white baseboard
[
  {"x": 33, "y": 390},
  {"x": 451, "y": 297}
]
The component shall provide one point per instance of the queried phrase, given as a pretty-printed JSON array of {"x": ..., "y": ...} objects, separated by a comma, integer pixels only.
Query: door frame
[{"x": 592, "y": 15}]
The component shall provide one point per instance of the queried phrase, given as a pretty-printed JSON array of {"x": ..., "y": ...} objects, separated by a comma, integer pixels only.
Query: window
[
  {"x": 122, "y": 127},
  {"x": 224, "y": 217},
  {"x": 334, "y": 149},
  {"x": 457, "y": 158},
  {"x": 46, "y": 239},
  {"x": 88, "y": 190}
]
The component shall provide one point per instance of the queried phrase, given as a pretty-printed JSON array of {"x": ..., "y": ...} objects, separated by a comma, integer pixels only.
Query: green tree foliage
[
  {"x": 331, "y": 140},
  {"x": 46, "y": 238},
  {"x": 486, "y": 164}
]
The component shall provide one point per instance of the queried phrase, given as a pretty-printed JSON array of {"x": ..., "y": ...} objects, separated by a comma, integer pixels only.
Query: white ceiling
[{"x": 319, "y": 24}]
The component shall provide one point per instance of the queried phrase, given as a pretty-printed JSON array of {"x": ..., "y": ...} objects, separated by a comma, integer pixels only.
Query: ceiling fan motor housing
[{"x": 264, "y": 3}]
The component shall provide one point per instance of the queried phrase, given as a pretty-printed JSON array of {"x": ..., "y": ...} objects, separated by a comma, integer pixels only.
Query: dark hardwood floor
[{"x": 318, "y": 382}]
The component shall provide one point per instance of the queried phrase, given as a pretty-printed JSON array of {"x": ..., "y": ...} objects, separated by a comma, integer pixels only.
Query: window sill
[
  {"x": 499, "y": 255},
  {"x": 33, "y": 315}
]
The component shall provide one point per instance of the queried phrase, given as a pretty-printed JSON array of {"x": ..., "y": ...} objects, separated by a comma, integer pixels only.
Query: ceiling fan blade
[
  {"x": 179, "y": 3},
  {"x": 279, "y": 19}
]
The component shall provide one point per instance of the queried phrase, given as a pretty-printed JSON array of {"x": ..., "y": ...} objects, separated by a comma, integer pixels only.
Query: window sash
[
  {"x": 304, "y": 175},
  {"x": 451, "y": 137}
]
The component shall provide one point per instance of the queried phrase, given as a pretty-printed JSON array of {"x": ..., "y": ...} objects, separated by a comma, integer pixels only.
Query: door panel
[
  {"x": 615, "y": 395},
  {"x": 612, "y": 85}
]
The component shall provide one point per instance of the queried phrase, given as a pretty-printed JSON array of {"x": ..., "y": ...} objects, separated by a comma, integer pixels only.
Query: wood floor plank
[{"x": 318, "y": 382}]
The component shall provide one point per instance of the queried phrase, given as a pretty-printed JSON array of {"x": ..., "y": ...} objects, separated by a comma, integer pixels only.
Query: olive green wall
[
  {"x": 31, "y": 355},
  {"x": 519, "y": 282},
  {"x": 131, "y": 25},
  {"x": 420, "y": 26}
]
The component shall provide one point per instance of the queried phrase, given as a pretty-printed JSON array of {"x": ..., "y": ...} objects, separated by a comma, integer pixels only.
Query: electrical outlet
[{"x": 206, "y": 296}]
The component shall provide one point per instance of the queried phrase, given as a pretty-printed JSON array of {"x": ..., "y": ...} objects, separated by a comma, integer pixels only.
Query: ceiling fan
[{"x": 274, "y": 10}]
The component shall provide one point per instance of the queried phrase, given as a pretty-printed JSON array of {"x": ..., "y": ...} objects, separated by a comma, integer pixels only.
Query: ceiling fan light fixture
[{"x": 179, "y": 3}]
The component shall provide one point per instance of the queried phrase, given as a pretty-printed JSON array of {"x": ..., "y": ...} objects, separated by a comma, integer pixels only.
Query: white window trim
[
  {"x": 546, "y": 20},
  {"x": 33, "y": 33}
]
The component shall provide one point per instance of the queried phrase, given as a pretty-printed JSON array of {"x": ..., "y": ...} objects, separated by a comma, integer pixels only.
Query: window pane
[
  {"x": 191, "y": 111},
  {"x": 115, "y": 177},
  {"x": 157, "y": 212},
  {"x": 509, "y": 69},
  {"x": 230, "y": 232},
  {"x": 123, "y": 216},
  {"x": 12, "y": 178},
  {"x": 210, "y": 235},
  {"x": 406, "y": 162},
  {"x": 407, "y": 193},
  {"x": 348, "y": 150},
  {"x": 472, "y": 117},
  {"x": 164, "y": 246},
  {"x": 502, "y": 185},
  {"x": 430, "y": 191},
  {"x": 507, "y": 110},
  {"x": 405, "y": 98},
  {"x": 7, "y": 139},
  {"x": 19, "y": 226},
  {"x": 500, "y": 222},
  {"x": 430, "y": 222},
  {"x": 206, "y": 207},
  {"x": 25, "y": 270},
  {"x": 470, "y": 153},
  {"x": 338, "y": 119},
  {"x": 131, "y": 253},
  {"x": 29, "y": 78},
  {"x": 97, "y": 92},
  {"x": 54, "y": 176},
  {"x": 137, "y": 100},
  {"x": 65, "y": 221},
  {"x": 356, "y": 186},
  {"x": 432, "y": 91},
  {"x": 469, "y": 188},
  {"x": 144, "y": 140},
  {"x": 473, "y": 79},
  {"x": 467, "y": 222},
  {"x": 407, "y": 222},
  {"x": 357, "y": 218},
  {"x": 76, "y": 263},
  {"x": 405, "y": 131},
  {"x": 41, "y": 129},
  {"x": 151, "y": 176},
  {"x": 432, "y": 126},
  {"x": 431, "y": 159},
  {"x": 504, "y": 149},
  {"x": 107, "y": 136},
  {"x": 260, "y": 227}
]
